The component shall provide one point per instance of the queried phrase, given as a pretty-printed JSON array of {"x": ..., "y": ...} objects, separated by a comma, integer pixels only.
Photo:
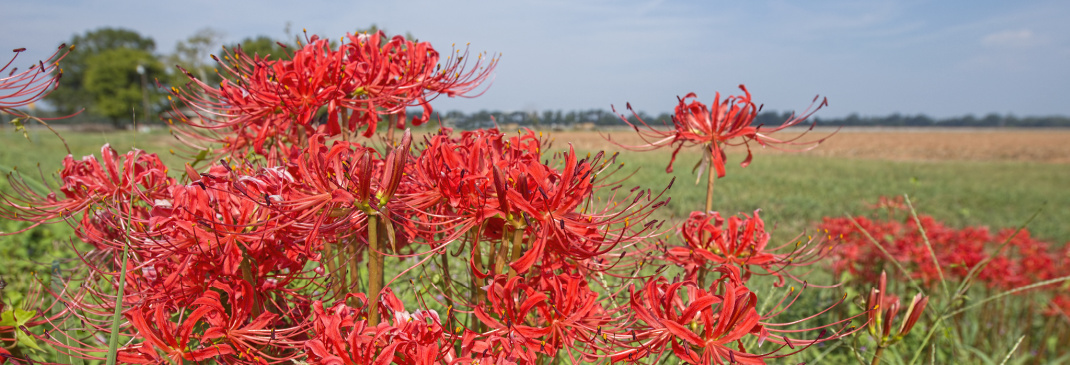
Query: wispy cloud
[{"x": 1011, "y": 38}]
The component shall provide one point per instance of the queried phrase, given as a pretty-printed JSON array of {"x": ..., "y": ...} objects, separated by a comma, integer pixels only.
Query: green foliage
[
  {"x": 193, "y": 55},
  {"x": 112, "y": 77},
  {"x": 262, "y": 46},
  {"x": 15, "y": 317},
  {"x": 796, "y": 191},
  {"x": 72, "y": 95}
]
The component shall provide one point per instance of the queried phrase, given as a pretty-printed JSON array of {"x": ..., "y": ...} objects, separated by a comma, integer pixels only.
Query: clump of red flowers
[
  {"x": 1024, "y": 260},
  {"x": 301, "y": 239}
]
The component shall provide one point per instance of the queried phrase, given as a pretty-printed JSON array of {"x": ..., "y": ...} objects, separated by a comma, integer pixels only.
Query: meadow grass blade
[
  {"x": 113, "y": 341},
  {"x": 885, "y": 252},
  {"x": 1009, "y": 292},
  {"x": 965, "y": 284},
  {"x": 928, "y": 245},
  {"x": 974, "y": 271},
  {"x": 1008, "y": 357}
]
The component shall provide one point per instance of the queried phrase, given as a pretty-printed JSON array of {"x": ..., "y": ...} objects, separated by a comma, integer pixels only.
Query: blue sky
[{"x": 941, "y": 58}]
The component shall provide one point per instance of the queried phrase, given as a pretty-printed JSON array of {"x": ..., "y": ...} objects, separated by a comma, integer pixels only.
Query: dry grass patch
[{"x": 895, "y": 144}]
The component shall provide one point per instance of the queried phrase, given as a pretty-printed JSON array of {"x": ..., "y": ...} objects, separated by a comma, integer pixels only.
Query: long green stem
[
  {"x": 502, "y": 256},
  {"x": 375, "y": 270},
  {"x": 354, "y": 265},
  {"x": 247, "y": 275},
  {"x": 518, "y": 237},
  {"x": 710, "y": 180},
  {"x": 113, "y": 342},
  {"x": 447, "y": 281},
  {"x": 332, "y": 268},
  {"x": 477, "y": 293}
]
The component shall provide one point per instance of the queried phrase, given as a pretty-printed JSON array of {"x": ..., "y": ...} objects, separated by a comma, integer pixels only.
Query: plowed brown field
[{"x": 917, "y": 144}]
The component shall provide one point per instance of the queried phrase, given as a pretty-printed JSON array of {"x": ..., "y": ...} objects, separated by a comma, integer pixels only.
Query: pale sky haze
[{"x": 940, "y": 58}]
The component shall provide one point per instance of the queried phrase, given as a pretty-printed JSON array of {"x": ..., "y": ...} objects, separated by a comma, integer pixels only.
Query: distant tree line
[
  {"x": 116, "y": 76},
  {"x": 558, "y": 119}
]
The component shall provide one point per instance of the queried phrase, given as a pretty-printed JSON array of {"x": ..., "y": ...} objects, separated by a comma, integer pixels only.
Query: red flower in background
[
  {"x": 1024, "y": 260},
  {"x": 727, "y": 122}
]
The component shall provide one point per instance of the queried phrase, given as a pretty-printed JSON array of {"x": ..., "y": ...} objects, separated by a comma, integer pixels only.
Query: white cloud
[{"x": 1011, "y": 38}]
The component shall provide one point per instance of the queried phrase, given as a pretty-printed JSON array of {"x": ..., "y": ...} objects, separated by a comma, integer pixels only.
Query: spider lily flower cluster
[
  {"x": 1011, "y": 259},
  {"x": 305, "y": 242}
]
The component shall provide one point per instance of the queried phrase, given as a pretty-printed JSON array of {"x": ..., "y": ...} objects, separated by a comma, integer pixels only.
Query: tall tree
[
  {"x": 193, "y": 54},
  {"x": 120, "y": 81},
  {"x": 72, "y": 95}
]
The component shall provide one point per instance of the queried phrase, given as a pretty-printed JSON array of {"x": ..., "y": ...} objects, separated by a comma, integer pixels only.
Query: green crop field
[{"x": 792, "y": 190}]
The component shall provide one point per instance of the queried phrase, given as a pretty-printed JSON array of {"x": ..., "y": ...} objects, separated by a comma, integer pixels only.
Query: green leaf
[
  {"x": 18, "y": 318},
  {"x": 15, "y": 317}
]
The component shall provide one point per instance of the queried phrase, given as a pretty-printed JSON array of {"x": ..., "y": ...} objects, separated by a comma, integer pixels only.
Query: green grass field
[{"x": 793, "y": 191}]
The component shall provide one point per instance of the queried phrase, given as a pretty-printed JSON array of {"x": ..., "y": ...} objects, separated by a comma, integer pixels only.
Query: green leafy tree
[
  {"x": 193, "y": 55},
  {"x": 262, "y": 45},
  {"x": 113, "y": 78},
  {"x": 72, "y": 95}
]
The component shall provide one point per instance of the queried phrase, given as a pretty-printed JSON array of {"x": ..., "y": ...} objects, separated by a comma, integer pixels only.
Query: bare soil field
[{"x": 899, "y": 144}]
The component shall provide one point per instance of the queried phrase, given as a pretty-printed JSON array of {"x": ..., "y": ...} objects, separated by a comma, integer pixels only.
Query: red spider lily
[
  {"x": 741, "y": 242},
  {"x": 699, "y": 329},
  {"x": 135, "y": 176},
  {"x": 342, "y": 336},
  {"x": 550, "y": 204},
  {"x": 400, "y": 73},
  {"x": 573, "y": 313},
  {"x": 724, "y": 123},
  {"x": 957, "y": 251},
  {"x": 884, "y": 308},
  {"x": 215, "y": 328},
  {"x": 511, "y": 336},
  {"x": 162, "y": 335},
  {"x": 711, "y": 241},
  {"x": 24, "y": 88},
  {"x": 270, "y": 103},
  {"x": 558, "y": 312},
  {"x": 453, "y": 174},
  {"x": 670, "y": 319},
  {"x": 486, "y": 180}
]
